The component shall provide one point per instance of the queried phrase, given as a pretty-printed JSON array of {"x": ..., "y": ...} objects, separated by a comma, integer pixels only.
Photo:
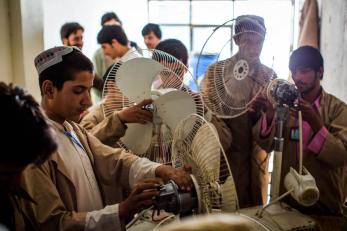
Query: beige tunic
[
  {"x": 247, "y": 161},
  {"x": 53, "y": 188},
  {"x": 108, "y": 130}
]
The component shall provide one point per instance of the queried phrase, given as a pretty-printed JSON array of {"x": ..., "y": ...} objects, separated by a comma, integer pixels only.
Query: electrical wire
[
  {"x": 163, "y": 221},
  {"x": 139, "y": 215}
]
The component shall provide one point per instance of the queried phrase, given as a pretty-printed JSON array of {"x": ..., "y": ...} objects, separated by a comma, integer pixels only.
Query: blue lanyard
[{"x": 74, "y": 139}]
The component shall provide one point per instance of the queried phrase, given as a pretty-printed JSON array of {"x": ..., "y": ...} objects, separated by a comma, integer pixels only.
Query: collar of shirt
[
  {"x": 61, "y": 127},
  {"x": 130, "y": 54},
  {"x": 316, "y": 102}
]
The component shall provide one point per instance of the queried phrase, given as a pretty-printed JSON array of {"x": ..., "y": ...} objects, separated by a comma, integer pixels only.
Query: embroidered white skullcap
[{"x": 51, "y": 57}]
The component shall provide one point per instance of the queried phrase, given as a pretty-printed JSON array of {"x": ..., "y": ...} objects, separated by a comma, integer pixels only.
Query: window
[{"x": 193, "y": 21}]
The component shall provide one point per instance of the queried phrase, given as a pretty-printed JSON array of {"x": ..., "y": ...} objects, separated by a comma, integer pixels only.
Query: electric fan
[
  {"x": 229, "y": 86},
  {"x": 196, "y": 143},
  {"x": 161, "y": 77}
]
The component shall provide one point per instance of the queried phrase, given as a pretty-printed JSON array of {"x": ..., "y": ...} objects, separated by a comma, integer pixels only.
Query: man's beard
[{"x": 310, "y": 87}]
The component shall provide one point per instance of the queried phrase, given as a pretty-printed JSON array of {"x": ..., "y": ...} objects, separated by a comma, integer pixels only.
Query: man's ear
[
  {"x": 115, "y": 43},
  {"x": 320, "y": 72},
  {"x": 48, "y": 89},
  {"x": 237, "y": 40},
  {"x": 65, "y": 42}
]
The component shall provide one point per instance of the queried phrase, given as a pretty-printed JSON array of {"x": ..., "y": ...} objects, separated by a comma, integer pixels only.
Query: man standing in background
[
  {"x": 71, "y": 34},
  {"x": 151, "y": 35}
]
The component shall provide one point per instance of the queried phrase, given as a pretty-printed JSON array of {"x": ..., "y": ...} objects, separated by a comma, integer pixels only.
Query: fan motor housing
[{"x": 173, "y": 200}]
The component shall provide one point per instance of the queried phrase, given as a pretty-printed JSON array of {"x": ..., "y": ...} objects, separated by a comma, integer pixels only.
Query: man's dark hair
[
  {"x": 175, "y": 48},
  {"x": 151, "y": 27},
  {"x": 107, "y": 33},
  {"x": 306, "y": 57},
  {"x": 109, "y": 16},
  {"x": 26, "y": 135},
  {"x": 69, "y": 28},
  {"x": 65, "y": 70}
]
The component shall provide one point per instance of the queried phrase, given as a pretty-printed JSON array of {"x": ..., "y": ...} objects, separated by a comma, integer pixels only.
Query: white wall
[
  {"x": 133, "y": 14},
  {"x": 334, "y": 46},
  {"x": 21, "y": 38},
  {"x": 5, "y": 45}
]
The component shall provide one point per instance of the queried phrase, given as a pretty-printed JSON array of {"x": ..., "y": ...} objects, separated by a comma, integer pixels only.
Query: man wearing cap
[
  {"x": 80, "y": 187},
  {"x": 324, "y": 138},
  {"x": 247, "y": 161}
]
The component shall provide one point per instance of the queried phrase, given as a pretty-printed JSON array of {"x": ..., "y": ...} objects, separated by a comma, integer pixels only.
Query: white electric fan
[
  {"x": 161, "y": 77},
  {"x": 230, "y": 85},
  {"x": 196, "y": 143}
]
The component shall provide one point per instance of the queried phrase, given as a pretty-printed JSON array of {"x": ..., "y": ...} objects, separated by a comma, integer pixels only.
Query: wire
[
  {"x": 163, "y": 221},
  {"x": 260, "y": 213},
  {"x": 139, "y": 215},
  {"x": 203, "y": 47},
  {"x": 157, "y": 220}
]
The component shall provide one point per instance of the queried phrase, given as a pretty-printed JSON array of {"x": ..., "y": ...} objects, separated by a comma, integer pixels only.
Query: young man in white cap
[
  {"x": 80, "y": 187},
  {"x": 247, "y": 160}
]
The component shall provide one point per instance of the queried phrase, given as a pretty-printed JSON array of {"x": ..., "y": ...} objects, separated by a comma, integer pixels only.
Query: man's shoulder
[
  {"x": 77, "y": 128},
  {"x": 331, "y": 99},
  {"x": 95, "y": 115}
]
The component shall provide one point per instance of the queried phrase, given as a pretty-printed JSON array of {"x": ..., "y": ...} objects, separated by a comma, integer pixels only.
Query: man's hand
[
  {"x": 180, "y": 176},
  {"x": 261, "y": 103},
  {"x": 309, "y": 114},
  {"x": 141, "y": 197},
  {"x": 136, "y": 114}
]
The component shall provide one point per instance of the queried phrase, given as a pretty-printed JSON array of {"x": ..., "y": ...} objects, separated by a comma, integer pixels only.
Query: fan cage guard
[
  {"x": 217, "y": 190},
  {"x": 172, "y": 76},
  {"x": 218, "y": 98}
]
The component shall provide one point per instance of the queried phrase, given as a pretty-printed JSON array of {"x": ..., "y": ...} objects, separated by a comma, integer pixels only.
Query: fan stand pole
[
  {"x": 300, "y": 143},
  {"x": 281, "y": 112}
]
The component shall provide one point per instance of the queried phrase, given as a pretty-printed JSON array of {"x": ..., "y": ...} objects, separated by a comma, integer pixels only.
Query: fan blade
[
  {"x": 229, "y": 197},
  {"x": 135, "y": 77},
  {"x": 138, "y": 137},
  {"x": 206, "y": 151},
  {"x": 174, "y": 106}
]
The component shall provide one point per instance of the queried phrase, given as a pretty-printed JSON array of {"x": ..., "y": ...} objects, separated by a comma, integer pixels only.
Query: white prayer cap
[
  {"x": 249, "y": 23},
  {"x": 52, "y": 56}
]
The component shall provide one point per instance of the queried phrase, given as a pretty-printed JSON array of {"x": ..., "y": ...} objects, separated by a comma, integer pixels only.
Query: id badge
[{"x": 294, "y": 134}]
